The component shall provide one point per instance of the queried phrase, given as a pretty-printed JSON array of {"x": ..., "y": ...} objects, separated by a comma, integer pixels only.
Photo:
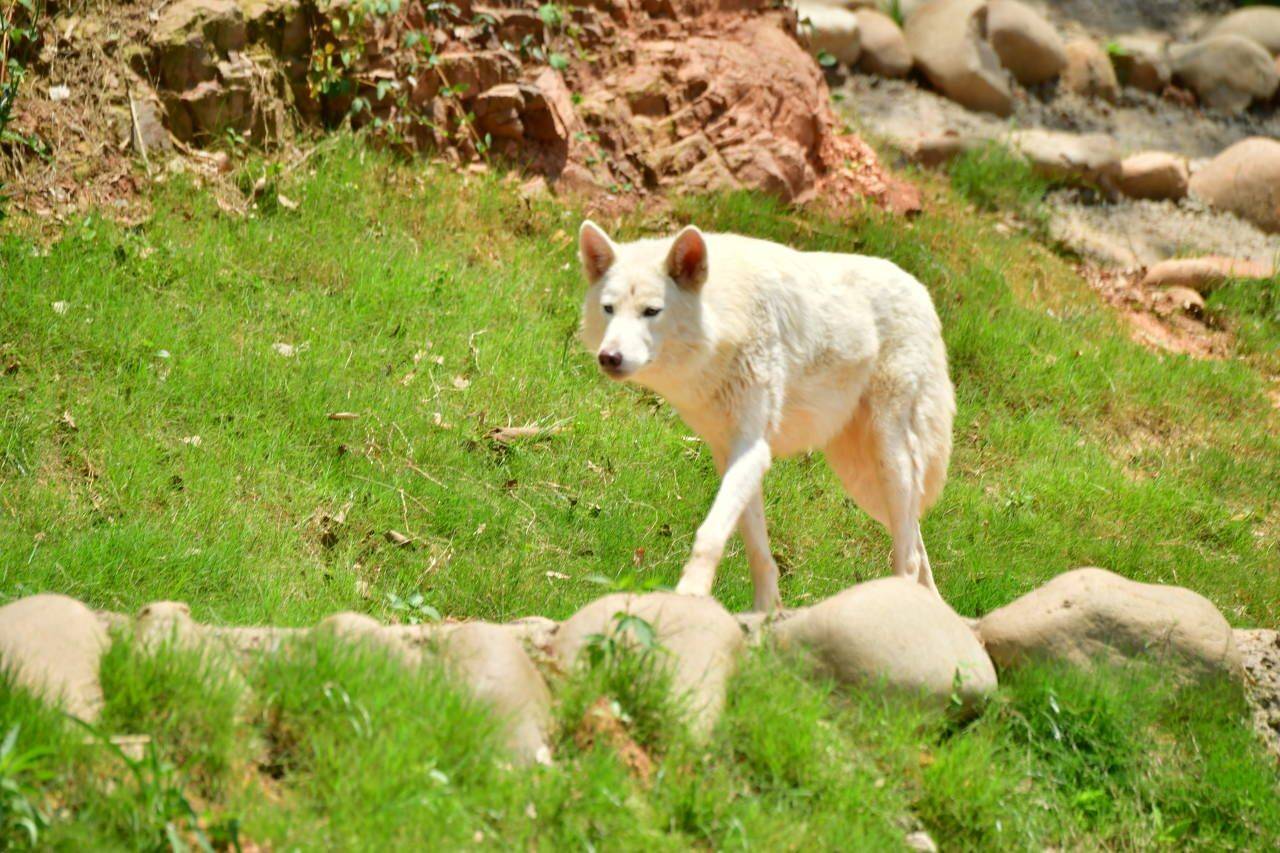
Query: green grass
[
  {"x": 435, "y": 308},
  {"x": 997, "y": 179},
  {"x": 344, "y": 749},
  {"x": 1251, "y": 310}
]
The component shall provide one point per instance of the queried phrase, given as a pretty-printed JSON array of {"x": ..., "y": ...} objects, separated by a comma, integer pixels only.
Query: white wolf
[{"x": 765, "y": 351}]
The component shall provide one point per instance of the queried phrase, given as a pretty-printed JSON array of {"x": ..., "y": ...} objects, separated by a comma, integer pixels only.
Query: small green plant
[
  {"x": 826, "y": 60},
  {"x": 21, "y": 817},
  {"x": 1114, "y": 49},
  {"x": 413, "y": 609},
  {"x": 893, "y": 8},
  {"x": 627, "y": 666},
  {"x": 551, "y": 15}
]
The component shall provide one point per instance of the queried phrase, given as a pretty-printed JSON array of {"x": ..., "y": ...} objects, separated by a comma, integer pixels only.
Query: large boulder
[
  {"x": 945, "y": 37},
  {"x": 702, "y": 639},
  {"x": 1091, "y": 614},
  {"x": 1026, "y": 43},
  {"x": 1091, "y": 158},
  {"x": 884, "y": 47},
  {"x": 1227, "y": 72},
  {"x": 1089, "y": 72},
  {"x": 1245, "y": 180},
  {"x": 490, "y": 661},
  {"x": 1256, "y": 23},
  {"x": 51, "y": 645},
  {"x": 1154, "y": 175},
  {"x": 1141, "y": 62},
  {"x": 894, "y": 632},
  {"x": 831, "y": 30}
]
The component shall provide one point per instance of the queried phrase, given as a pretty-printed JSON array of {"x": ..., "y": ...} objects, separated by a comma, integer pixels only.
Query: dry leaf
[
  {"x": 193, "y": 440},
  {"x": 557, "y": 576},
  {"x": 61, "y": 307},
  {"x": 343, "y": 416},
  {"x": 286, "y": 350},
  {"x": 286, "y": 202},
  {"x": 461, "y": 383},
  {"x": 395, "y": 537},
  {"x": 67, "y": 421},
  {"x": 511, "y": 433}
]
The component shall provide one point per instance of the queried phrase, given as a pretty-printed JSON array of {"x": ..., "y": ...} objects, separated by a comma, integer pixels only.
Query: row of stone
[
  {"x": 1243, "y": 179},
  {"x": 969, "y": 50},
  {"x": 888, "y": 633}
]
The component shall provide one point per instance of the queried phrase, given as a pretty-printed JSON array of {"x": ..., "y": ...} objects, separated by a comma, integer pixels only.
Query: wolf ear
[
  {"x": 596, "y": 251},
  {"x": 687, "y": 260}
]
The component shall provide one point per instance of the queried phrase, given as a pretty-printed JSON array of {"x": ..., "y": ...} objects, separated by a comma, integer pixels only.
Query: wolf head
[{"x": 642, "y": 300}]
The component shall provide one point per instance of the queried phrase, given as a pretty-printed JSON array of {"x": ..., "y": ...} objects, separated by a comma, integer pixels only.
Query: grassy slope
[
  {"x": 436, "y": 309},
  {"x": 1073, "y": 445}
]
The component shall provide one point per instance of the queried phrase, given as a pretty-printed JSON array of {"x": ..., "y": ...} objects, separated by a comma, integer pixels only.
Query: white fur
[{"x": 780, "y": 352}]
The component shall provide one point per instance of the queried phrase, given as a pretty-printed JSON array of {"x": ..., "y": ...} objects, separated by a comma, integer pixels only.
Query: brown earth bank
[{"x": 622, "y": 99}]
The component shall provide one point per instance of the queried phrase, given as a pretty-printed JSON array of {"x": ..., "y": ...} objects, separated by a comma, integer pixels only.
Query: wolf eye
[
  {"x": 652, "y": 312},
  {"x": 608, "y": 309}
]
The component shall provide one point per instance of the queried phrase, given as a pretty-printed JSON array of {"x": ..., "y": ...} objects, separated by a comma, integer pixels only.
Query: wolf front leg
[{"x": 748, "y": 461}]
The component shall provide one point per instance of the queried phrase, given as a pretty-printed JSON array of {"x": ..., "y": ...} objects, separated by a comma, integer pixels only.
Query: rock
[
  {"x": 282, "y": 25},
  {"x": 945, "y": 38},
  {"x": 497, "y": 111},
  {"x": 207, "y": 109},
  {"x": 830, "y": 30},
  {"x": 1141, "y": 63},
  {"x": 493, "y": 665},
  {"x": 1069, "y": 157},
  {"x": 162, "y": 622},
  {"x": 893, "y": 631},
  {"x": 1226, "y": 72},
  {"x": 1245, "y": 180},
  {"x": 943, "y": 148},
  {"x": 360, "y": 628},
  {"x": 473, "y": 71},
  {"x": 1178, "y": 300},
  {"x": 548, "y": 109},
  {"x": 1092, "y": 614},
  {"x": 52, "y": 645},
  {"x": 1260, "y": 653},
  {"x": 1202, "y": 274},
  {"x": 884, "y": 47},
  {"x": 1026, "y": 43},
  {"x": 1154, "y": 175},
  {"x": 703, "y": 639},
  {"x": 1088, "y": 71},
  {"x": 190, "y": 37},
  {"x": 147, "y": 132},
  {"x": 1260, "y": 24}
]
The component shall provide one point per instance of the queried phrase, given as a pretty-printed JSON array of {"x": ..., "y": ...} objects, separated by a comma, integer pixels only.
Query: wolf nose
[{"x": 611, "y": 360}]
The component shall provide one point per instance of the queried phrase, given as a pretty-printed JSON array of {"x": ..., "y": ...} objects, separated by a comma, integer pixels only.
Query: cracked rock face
[{"x": 1260, "y": 655}]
